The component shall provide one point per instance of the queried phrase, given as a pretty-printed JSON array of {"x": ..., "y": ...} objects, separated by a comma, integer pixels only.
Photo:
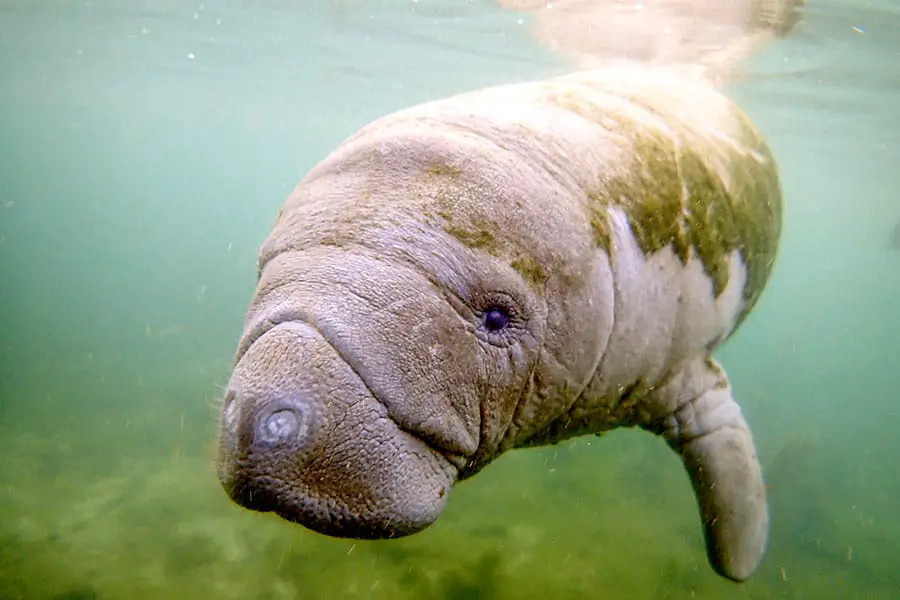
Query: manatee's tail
[{"x": 710, "y": 39}]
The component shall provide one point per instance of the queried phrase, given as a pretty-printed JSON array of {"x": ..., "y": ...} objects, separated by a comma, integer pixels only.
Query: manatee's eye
[
  {"x": 496, "y": 319},
  {"x": 499, "y": 318}
]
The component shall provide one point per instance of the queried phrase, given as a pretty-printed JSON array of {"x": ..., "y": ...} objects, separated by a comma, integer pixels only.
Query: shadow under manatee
[
  {"x": 828, "y": 525},
  {"x": 479, "y": 582},
  {"x": 469, "y": 581},
  {"x": 797, "y": 498}
]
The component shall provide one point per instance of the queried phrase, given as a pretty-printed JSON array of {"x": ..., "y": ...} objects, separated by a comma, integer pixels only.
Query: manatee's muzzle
[
  {"x": 302, "y": 436},
  {"x": 275, "y": 436}
]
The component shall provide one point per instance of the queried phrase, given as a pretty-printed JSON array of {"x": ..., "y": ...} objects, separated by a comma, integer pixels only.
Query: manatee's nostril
[{"x": 280, "y": 425}]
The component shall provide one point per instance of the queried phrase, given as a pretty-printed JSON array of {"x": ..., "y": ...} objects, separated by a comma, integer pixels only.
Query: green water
[{"x": 145, "y": 148}]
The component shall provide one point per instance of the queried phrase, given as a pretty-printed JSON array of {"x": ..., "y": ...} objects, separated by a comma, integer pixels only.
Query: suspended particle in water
[{"x": 894, "y": 241}]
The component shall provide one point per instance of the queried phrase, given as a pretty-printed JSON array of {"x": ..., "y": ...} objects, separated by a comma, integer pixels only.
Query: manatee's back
[
  {"x": 698, "y": 175},
  {"x": 683, "y": 163}
]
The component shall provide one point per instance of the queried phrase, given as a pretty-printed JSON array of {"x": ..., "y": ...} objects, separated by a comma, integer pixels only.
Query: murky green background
[{"x": 145, "y": 148}]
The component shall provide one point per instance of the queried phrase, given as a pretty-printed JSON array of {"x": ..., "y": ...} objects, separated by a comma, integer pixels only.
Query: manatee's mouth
[
  {"x": 304, "y": 437},
  {"x": 286, "y": 315}
]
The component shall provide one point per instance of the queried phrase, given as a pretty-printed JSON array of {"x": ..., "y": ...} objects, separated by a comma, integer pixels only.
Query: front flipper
[{"x": 701, "y": 421}]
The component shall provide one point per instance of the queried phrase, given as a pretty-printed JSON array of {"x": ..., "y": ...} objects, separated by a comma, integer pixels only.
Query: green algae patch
[
  {"x": 529, "y": 269},
  {"x": 599, "y": 219},
  {"x": 439, "y": 169},
  {"x": 580, "y": 100},
  {"x": 676, "y": 200},
  {"x": 460, "y": 218},
  {"x": 473, "y": 238},
  {"x": 475, "y": 233},
  {"x": 679, "y": 188},
  {"x": 674, "y": 197}
]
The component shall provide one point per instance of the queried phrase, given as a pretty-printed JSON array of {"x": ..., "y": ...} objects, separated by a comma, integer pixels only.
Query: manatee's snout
[
  {"x": 272, "y": 440},
  {"x": 280, "y": 425},
  {"x": 303, "y": 436}
]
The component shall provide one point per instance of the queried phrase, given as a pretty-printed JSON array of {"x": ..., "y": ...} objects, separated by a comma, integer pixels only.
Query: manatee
[
  {"x": 714, "y": 37},
  {"x": 894, "y": 240},
  {"x": 507, "y": 268}
]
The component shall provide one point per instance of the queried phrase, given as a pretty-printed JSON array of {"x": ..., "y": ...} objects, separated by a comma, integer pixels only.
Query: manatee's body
[
  {"x": 505, "y": 268},
  {"x": 715, "y": 37}
]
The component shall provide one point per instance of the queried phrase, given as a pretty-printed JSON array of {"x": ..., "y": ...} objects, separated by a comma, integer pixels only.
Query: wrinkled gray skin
[{"x": 367, "y": 382}]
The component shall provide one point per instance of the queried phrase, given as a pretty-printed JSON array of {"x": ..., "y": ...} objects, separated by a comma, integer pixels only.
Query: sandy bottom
[{"x": 109, "y": 514}]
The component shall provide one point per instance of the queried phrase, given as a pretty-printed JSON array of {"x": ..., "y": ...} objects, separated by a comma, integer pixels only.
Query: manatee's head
[{"x": 419, "y": 296}]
